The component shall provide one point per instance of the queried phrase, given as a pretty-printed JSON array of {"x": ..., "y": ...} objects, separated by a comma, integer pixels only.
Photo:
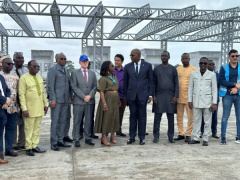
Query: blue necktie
[{"x": 137, "y": 69}]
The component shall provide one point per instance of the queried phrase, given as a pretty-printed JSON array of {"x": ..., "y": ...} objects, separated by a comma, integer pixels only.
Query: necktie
[
  {"x": 37, "y": 85},
  {"x": 63, "y": 70},
  {"x": 85, "y": 75},
  {"x": 137, "y": 69}
]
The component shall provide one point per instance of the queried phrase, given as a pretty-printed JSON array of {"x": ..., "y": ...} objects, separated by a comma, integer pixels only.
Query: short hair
[
  {"x": 105, "y": 68},
  {"x": 232, "y": 51},
  {"x": 203, "y": 58},
  {"x": 137, "y": 51},
  {"x": 16, "y": 53},
  {"x": 167, "y": 52},
  {"x": 120, "y": 56},
  {"x": 30, "y": 62},
  {"x": 58, "y": 54},
  {"x": 185, "y": 54},
  {"x": 210, "y": 60}
]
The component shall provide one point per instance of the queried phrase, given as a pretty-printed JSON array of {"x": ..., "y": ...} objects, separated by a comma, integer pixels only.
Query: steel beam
[
  {"x": 156, "y": 26},
  {"x": 84, "y": 46},
  {"x": 227, "y": 40},
  {"x": 3, "y": 31},
  {"x": 98, "y": 11},
  {"x": 55, "y": 11},
  {"x": 10, "y": 8},
  {"x": 164, "y": 45},
  {"x": 4, "y": 44},
  {"x": 125, "y": 24},
  {"x": 191, "y": 26}
]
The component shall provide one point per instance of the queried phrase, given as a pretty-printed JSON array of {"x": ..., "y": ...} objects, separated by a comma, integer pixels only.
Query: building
[
  {"x": 45, "y": 59},
  {"x": 152, "y": 56},
  {"x": 213, "y": 55}
]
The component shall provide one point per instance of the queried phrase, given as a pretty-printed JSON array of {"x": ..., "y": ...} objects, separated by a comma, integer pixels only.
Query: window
[{"x": 47, "y": 67}]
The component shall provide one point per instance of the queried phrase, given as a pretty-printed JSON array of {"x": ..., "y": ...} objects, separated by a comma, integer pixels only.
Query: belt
[{"x": 111, "y": 91}]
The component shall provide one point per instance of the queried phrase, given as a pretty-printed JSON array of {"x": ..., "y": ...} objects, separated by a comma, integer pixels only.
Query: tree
[
  {"x": 70, "y": 66},
  {"x": 177, "y": 65}
]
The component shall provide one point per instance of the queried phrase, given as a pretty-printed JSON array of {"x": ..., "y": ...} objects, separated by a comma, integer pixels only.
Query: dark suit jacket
[
  {"x": 6, "y": 91},
  {"x": 140, "y": 86}
]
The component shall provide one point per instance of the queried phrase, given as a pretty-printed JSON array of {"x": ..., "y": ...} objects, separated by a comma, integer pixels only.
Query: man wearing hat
[
  {"x": 59, "y": 94},
  {"x": 84, "y": 86}
]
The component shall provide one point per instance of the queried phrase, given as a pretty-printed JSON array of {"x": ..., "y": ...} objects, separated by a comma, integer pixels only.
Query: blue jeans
[
  {"x": 7, "y": 122},
  {"x": 227, "y": 102}
]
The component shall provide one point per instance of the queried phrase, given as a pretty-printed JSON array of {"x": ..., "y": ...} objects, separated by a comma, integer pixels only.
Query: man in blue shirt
[{"x": 229, "y": 79}]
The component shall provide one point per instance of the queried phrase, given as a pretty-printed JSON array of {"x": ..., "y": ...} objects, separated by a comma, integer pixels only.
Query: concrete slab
[{"x": 121, "y": 161}]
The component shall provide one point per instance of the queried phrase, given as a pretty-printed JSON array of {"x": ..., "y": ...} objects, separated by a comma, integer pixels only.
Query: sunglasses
[
  {"x": 203, "y": 63},
  {"x": 211, "y": 64},
  {"x": 36, "y": 66},
  {"x": 9, "y": 64},
  {"x": 234, "y": 56},
  {"x": 63, "y": 59}
]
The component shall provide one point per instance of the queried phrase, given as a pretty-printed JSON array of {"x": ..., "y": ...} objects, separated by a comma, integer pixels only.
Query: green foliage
[{"x": 70, "y": 66}]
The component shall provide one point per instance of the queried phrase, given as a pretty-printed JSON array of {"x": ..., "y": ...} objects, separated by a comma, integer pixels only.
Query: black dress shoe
[
  {"x": 155, "y": 140},
  {"x": 89, "y": 142},
  {"x": 171, "y": 140},
  {"x": 11, "y": 153},
  {"x": 23, "y": 148},
  {"x": 121, "y": 134},
  {"x": 142, "y": 141},
  {"x": 94, "y": 136},
  {"x": 16, "y": 148},
  {"x": 55, "y": 147},
  {"x": 205, "y": 143},
  {"x": 188, "y": 138},
  {"x": 63, "y": 144},
  {"x": 77, "y": 144},
  {"x": 193, "y": 142},
  {"x": 180, "y": 137},
  {"x": 38, "y": 150},
  {"x": 67, "y": 139},
  {"x": 146, "y": 133},
  {"x": 130, "y": 141},
  {"x": 30, "y": 152},
  {"x": 215, "y": 136}
]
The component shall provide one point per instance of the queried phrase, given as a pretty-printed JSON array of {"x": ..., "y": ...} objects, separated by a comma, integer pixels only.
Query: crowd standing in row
[{"x": 23, "y": 100}]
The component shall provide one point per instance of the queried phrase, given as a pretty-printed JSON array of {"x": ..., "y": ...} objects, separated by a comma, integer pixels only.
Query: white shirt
[
  {"x": 2, "y": 92},
  {"x": 139, "y": 65}
]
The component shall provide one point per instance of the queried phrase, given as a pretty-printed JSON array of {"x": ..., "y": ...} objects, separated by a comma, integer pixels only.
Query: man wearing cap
[
  {"x": 19, "y": 69},
  {"x": 84, "y": 86},
  {"x": 59, "y": 94}
]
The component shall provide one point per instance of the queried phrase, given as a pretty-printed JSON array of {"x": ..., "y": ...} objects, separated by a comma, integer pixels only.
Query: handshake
[{"x": 5, "y": 106}]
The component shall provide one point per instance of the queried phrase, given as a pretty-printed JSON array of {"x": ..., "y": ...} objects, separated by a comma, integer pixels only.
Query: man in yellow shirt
[
  {"x": 184, "y": 72},
  {"x": 34, "y": 105}
]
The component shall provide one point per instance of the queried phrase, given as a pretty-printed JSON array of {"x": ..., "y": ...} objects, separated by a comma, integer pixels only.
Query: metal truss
[
  {"x": 125, "y": 24},
  {"x": 191, "y": 26},
  {"x": 227, "y": 40},
  {"x": 164, "y": 45},
  {"x": 21, "y": 19},
  {"x": 98, "y": 45},
  {"x": 55, "y": 11},
  {"x": 84, "y": 46},
  {"x": 96, "y": 12},
  {"x": 156, "y": 26},
  {"x": 3, "y": 31},
  {"x": 4, "y": 44}
]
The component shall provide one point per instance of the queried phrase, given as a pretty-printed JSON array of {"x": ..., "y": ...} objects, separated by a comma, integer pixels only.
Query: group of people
[{"x": 24, "y": 100}]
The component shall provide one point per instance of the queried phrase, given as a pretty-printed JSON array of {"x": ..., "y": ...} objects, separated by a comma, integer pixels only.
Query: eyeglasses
[
  {"x": 63, "y": 59},
  {"x": 9, "y": 64},
  {"x": 36, "y": 66},
  {"x": 203, "y": 63},
  {"x": 234, "y": 56}
]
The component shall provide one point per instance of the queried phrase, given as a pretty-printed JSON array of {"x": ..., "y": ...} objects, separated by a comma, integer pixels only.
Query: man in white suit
[{"x": 202, "y": 98}]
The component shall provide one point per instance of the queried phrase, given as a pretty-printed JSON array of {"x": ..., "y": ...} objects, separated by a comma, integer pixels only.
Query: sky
[{"x": 72, "y": 48}]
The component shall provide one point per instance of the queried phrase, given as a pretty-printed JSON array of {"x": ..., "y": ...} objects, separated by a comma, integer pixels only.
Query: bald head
[{"x": 135, "y": 55}]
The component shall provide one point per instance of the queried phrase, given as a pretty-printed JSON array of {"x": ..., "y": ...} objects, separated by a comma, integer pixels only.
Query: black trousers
[
  {"x": 156, "y": 126},
  {"x": 138, "y": 118}
]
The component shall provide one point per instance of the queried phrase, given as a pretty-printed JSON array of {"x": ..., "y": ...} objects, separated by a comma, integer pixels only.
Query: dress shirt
[
  {"x": 139, "y": 65},
  {"x": 83, "y": 72},
  {"x": 119, "y": 75},
  {"x": 28, "y": 94}
]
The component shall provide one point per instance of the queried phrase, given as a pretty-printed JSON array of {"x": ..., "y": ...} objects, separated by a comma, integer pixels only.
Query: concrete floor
[{"x": 121, "y": 161}]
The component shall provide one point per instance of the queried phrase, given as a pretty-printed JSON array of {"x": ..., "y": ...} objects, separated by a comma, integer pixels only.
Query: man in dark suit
[
  {"x": 4, "y": 103},
  {"x": 84, "y": 86},
  {"x": 59, "y": 93},
  {"x": 138, "y": 86}
]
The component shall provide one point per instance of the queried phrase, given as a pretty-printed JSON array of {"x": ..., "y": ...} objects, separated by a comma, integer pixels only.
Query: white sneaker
[{"x": 237, "y": 140}]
